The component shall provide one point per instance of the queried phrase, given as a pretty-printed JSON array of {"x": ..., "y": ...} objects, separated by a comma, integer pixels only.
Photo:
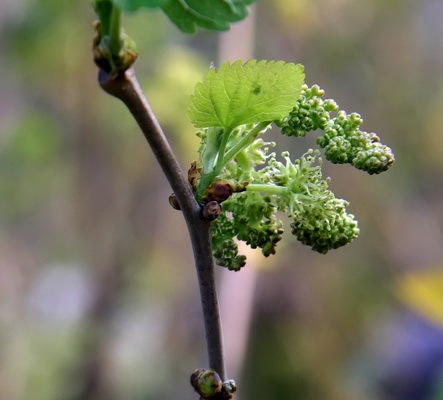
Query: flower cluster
[
  {"x": 319, "y": 219},
  {"x": 310, "y": 112},
  {"x": 343, "y": 141}
]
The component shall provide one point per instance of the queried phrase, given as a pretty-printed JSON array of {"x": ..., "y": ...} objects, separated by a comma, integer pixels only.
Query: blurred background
[{"x": 98, "y": 295}]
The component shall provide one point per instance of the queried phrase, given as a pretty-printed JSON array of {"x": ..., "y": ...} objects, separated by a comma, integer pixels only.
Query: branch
[{"x": 125, "y": 87}]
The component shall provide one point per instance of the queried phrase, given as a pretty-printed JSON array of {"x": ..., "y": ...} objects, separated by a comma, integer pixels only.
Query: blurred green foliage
[
  {"x": 28, "y": 161},
  {"x": 79, "y": 189}
]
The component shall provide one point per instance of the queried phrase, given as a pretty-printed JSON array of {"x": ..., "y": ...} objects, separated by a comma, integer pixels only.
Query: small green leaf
[
  {"x": 208, "y": 14},
  {"x": 189, "y": 14},
  {"x": 237, "y": 94},
  {"x": 133, "y": 5}
]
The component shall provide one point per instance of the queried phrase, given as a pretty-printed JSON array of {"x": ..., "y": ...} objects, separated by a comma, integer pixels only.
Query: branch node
[{"x": 208, "y": 384}]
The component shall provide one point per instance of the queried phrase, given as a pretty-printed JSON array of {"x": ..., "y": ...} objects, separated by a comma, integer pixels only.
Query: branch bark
[{"x": 126, "y": 88}]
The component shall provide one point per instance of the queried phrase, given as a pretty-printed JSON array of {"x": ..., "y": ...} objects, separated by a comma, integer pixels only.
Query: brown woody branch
[{"x": 125, "y": 87}]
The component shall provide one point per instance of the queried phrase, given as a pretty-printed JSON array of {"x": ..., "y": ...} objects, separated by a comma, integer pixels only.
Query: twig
[{"x": 126, "y": 88}]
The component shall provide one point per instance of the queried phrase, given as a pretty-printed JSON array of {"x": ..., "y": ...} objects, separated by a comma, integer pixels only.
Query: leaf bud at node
[
  {"x": 211, "y": 211},
  {"x": 229, "y": 388},
  {"x": 194, "y": 174},
  {"x": 218, "y": 190},
  {"x": 174, "y": 202},
  {"x": 206, "y": 382}
]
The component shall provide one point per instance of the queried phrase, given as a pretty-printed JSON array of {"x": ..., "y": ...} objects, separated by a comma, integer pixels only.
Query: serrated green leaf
[
  {"x": 208, "y": 14},
  {"x": 134, "y": 5},
  {"x": 237, "y": 94}
]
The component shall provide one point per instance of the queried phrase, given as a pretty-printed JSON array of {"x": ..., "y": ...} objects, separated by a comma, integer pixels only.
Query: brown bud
[
  {"x": 194, "y": 174},
  {"x": 174, "y": 202},
  {"x": 211, "y": 210},
  {"x": 218, "y": 190}
]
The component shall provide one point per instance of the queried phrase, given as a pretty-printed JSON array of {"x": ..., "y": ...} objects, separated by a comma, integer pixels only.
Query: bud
[
  {"x": 211, "y": 211},
  {"x": 206, "y": 382},
  {"x": 229, "y": 388},
  {"x": 218, "y": 190},
  {"x": 174, "y": 202}
]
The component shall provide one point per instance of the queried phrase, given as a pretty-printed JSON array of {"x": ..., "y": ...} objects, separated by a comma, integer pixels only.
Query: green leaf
[
  {"x": 133, "y": 5},
  {"x": 237, "y": 94},
  {"x": 189, "y": 14},
  {"x": 208, "y": 14}
]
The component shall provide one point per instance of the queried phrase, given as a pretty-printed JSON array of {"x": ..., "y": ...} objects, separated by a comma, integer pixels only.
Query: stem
[
  {"x": 267, "y": 188},
  {"x": 115, "y": 31},
  {"x": 205, "y": 181},
  {"x": 210, "y": 171},
  {"x": 222, "y": 159},
  {"x": 243, "y": 161},
  {"x": 213, "y": 135},
  {"x": 221, "y": 152},
  {"x": 126, "y": 88},
  {"x": 246, "y": 140}
]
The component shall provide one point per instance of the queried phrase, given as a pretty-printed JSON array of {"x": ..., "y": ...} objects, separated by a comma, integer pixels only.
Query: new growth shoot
[{"x": 233, "y": 107}]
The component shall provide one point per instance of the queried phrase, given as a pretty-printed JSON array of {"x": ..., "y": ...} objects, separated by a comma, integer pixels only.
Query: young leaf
[
  {"x": 188, "y": 14},
  {"x": 208, "y": 14},
  {"x": 238, "y": 94},
  {"x": 133, "y": 5}
]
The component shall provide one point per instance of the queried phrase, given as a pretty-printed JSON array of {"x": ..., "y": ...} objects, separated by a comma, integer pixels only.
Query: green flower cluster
[
  {"x": 343, "y": 141},
  {"x": 224, "y": 248},
  {"x": 325, "y": 224},
  {"x": 252, "y": 220},
  {"x": 297, "y": 188},
  {"x": 310, "y": 112}
]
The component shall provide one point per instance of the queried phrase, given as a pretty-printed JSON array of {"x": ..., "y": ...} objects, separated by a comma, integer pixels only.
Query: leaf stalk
[
  {"x": 245, "y": 141},
  {"x": 115, "y": 41}
]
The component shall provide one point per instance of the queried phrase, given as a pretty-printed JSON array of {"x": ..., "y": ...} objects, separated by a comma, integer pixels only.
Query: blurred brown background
[{"x": 98, "y": 296}]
